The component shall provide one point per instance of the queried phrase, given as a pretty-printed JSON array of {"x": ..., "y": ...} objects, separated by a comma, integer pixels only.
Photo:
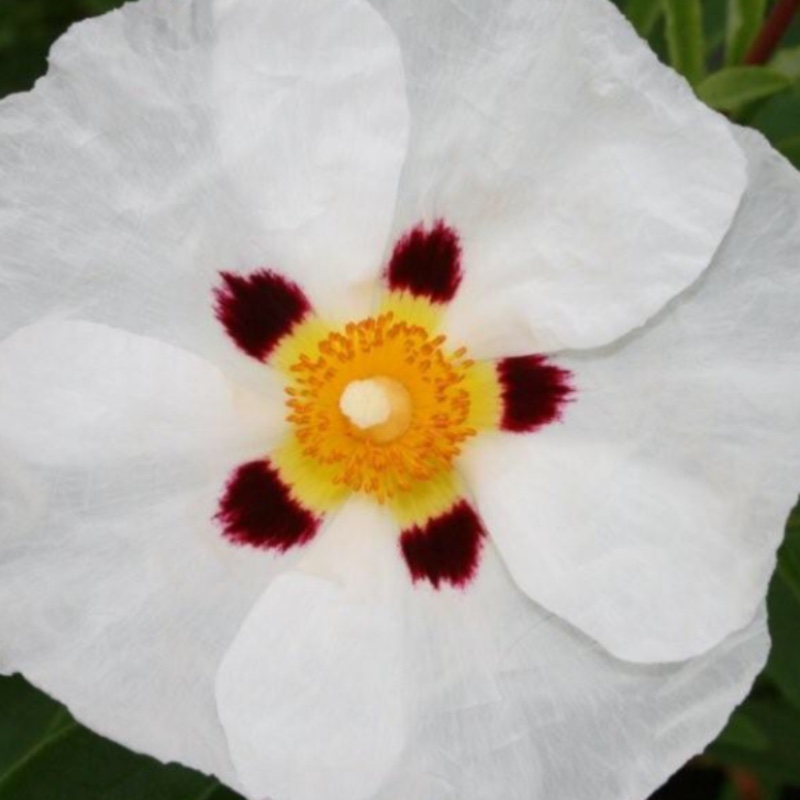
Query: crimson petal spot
[
  {"x": 447, "y": 548},
  {"x": 257, "y": 509},
  {"x": 427, "y": 263},
  {"x": 533, "y": 392},
  {"x": 259, "y": 309}
]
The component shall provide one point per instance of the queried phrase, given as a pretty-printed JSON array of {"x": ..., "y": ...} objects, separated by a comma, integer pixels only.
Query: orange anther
[{"x": 404, "y": 353}]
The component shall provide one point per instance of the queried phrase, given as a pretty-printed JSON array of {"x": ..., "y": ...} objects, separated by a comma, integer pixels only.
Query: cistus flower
[{"x": 396, "y": 400}]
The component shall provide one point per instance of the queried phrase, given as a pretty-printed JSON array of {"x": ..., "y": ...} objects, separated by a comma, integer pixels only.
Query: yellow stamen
[{"x": 383, "y": 405}]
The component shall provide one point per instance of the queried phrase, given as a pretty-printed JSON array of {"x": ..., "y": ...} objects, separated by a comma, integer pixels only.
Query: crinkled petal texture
[
  {"x": 312, "y": 692},
  {"x": 117, "y": 593},
  {"x": 588, "y": 183},
  {"x": 651, "y": 516},
  {"x": 350, "y": 683},
  {"x": 171, "y": 141}
]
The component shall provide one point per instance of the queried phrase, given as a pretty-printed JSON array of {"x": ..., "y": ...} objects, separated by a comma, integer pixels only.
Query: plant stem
[{"x": 772, "y": 31}]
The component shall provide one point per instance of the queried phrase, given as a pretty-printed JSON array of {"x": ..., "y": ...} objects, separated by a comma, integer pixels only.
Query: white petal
[
  {"x": 480, "y": 694},
  {"x": 512, "y": 704},
  {"x": 310, "y": 693},
  {"x": 118, "y": 594},
  {"x": 588, "y": 184},
  {"x": 172, "y": 140},
  {"x": 651, "y": 516},
  {"x": 78, "y": 394}
]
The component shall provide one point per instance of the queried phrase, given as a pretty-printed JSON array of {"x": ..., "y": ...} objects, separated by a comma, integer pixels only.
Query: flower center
[
  {"x": 381, "y": 404},
  {"x": 380, "y": 408}
]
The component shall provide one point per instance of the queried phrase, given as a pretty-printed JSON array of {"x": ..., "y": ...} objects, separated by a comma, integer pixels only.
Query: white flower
[{"x": 525, "y": 561}]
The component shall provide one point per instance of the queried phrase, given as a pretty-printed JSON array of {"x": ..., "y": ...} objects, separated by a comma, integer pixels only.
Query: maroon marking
[
  {"x": 259, "y": 309},
  {"x": 427, "y": 263},
  {"x": 534, "y": 392},
  {"x": 447, "y": 548},
  {"x": 257, "y": 509}
]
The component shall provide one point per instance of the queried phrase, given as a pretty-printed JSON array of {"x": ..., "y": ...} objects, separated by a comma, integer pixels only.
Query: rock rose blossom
[{"x": 397, "y": 400}]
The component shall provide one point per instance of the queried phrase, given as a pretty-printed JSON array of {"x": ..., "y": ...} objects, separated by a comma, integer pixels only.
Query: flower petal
[
  {"x": 310, "y": 693},
  {"x": 426, "y": 262},
  {"x": 258, "y": 509},
  {"x": 587, "y": 183},
  {"x": 117, "y": 593},
  {"x": 347, "y": 682},
  {"x": 446, "y": 548},
  {"x": 533, "y": 392},
  {"x": 260, "y": 309},
  {"x": 506, "y": 701},
  {"x": 79, "y": 394},
  {"x": 172, "y": 141},
  {"x": 651, "y": 516}
]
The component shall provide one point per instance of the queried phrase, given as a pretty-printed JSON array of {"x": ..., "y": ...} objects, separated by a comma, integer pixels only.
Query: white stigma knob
[{"x": 366, "y": 403}]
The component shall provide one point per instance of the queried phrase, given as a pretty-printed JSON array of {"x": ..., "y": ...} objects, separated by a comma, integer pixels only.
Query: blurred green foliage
[
  {"x": 46, "y": 755},
  {"x": 708, "y": 41},
  {"x": 29, "y": 27}
]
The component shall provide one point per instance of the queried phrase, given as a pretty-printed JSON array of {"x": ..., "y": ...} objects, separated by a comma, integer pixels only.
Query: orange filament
[{"x": 425, "y": 423}]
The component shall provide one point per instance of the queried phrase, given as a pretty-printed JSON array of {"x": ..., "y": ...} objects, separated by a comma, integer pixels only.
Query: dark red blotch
[
  {"x": 447, "y": 548},
  {"x": 257, "y": 509},
  {"x": 259, "y": 309},
  {"x": 427, "y": 263},
  {"x": 534, "y": 392}
]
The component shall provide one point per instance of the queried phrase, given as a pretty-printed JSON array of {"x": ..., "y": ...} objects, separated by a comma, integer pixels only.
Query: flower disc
[{"x": 426, "y": 388}]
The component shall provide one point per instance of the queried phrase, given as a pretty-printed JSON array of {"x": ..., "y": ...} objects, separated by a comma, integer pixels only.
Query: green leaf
[
  {"x": 715, "y": 19},
  {"x": 787, "y": 62},
  {"x": 730, "y": 89},
  {"x": 744, "y": 21},
  {"x": 685, "y": 38},
  {"x": 46, "y": 755},
  {"x": 780, "y": 725},
  {"x": 791, "y": 149},
  {"x": 35, "y": 719},
  {"x": 784, "y": 612},
  {"x": 742, "y": 732},
  {"x": 644, "y": 15},
  {"x": 789, "y": 561},
  {"x": 730, "y": 792},
  {"x": 784, "y": 623},
  {"x": 778, "y": 117},
  {"x": 28, "y": 29}
]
